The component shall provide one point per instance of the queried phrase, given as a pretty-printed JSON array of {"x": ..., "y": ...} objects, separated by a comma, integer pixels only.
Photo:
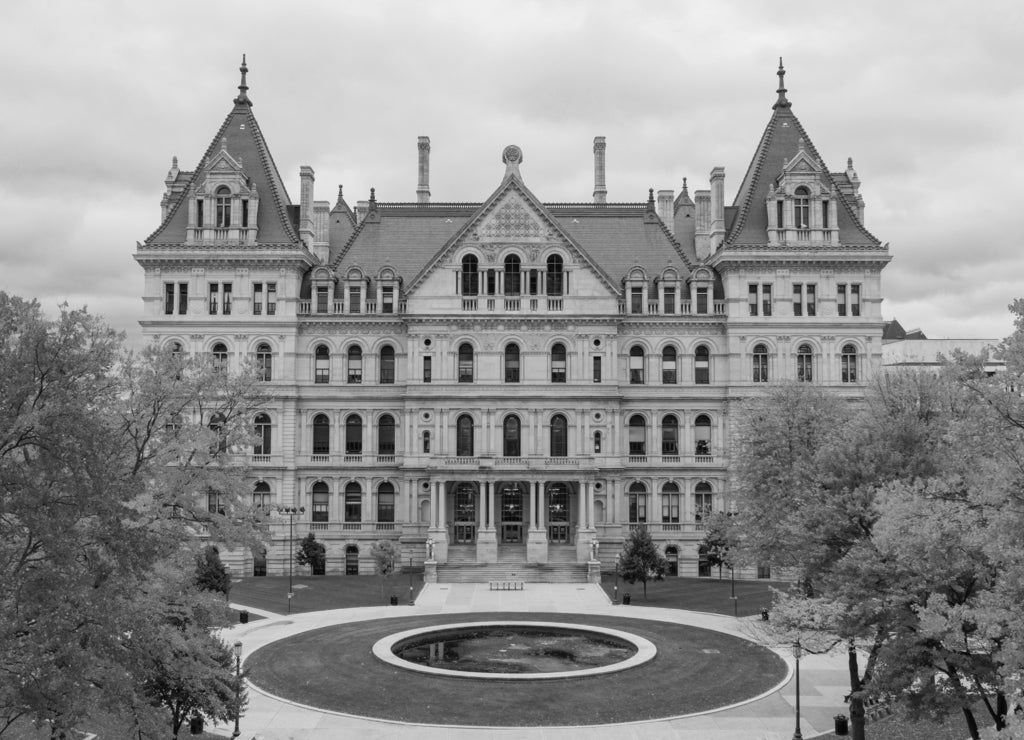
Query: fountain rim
[{"x": 645, "y": 651}]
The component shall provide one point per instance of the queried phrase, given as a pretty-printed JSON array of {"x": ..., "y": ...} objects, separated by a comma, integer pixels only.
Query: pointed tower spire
[
  {"x": 243, "y": 98},
  {"x": 781, "y": 102},
  {"x": 685, "y": 192}
]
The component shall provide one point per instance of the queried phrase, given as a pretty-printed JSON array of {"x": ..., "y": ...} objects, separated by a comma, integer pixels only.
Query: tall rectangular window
[
  {"x": 385, "y": 507},
  {"x": 355, "y": 298},
  {"x": 812, "y": 300},
  {"x": 245, "y": 213},
  {"x": 778, "y": 214},
  {"x": 226, "y": 297},
  {"x": 670, "y": 300},
  {"x": 271, "y": 299},
  {"x": 427, "y": 368},
  {"x": 257, "y": 299},
  {"x": 387, "y": 299},
  {"x": 841, "y": 299},
  {"x": 491, "y": 281},
  {"x": 702, "y": 300},
  {"x": 824, "y": 214},
  {"x": 752, "y": 298},
  {"x": 766, "y": 299},
  {"x": 798, "y": 299},
  {"x": 636, "y": 300},
  {"x": 182, "y": 298},
  {"x": 321, "y": 299},
  {"x": 637, "y": 508},
  {"x": 597, "y": 369},
  {"x": 855, "y": 299},
  {"x": 670, "y": 508},
  {"x": 214, "y": 295},
  {"x": 168, "y": 298},
  {"x": 353, "y": 507}
]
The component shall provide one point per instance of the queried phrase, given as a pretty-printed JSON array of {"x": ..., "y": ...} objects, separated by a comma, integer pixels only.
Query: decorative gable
[
  {"x": 801, "y": 203},
  {"x": 223, "y": 202}
]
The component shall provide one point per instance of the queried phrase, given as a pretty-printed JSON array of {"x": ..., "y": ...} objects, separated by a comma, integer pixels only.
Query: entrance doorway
[
  {"x": 511, "y": 514},
  {"x": 465, "y": 515},
  {"x": 559, "y": 530},
  {"x": 703, "y": 565},
  {"x": 351, "y": 560},
  {"x": 672, "y": 555}
]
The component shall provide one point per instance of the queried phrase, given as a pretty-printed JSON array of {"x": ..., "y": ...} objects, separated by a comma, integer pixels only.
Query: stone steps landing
[{"x": 526, "y": 572}]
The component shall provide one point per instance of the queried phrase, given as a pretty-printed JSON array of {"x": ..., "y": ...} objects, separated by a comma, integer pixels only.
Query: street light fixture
[
  {"x": 412, "y": 601},
  {"x": 732, "y": 585},
  {"x": 615, "y": 597},
  {"x": 237, "y": 650},
  {"x": 796, "y": 655},
  {"x": 292, "y": 512}
]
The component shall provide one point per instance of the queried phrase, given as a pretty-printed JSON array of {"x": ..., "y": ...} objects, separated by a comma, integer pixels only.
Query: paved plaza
[{"x": 824, "y": 679}]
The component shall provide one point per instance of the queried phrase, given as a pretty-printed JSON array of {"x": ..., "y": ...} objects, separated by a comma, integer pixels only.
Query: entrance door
[
  {"x": 558, "y": 515},
  {"x": 703, "y": 565},
  {"x": 465, "y": 515},
  {"x": 511, "y": 514},
  {"x": 351, "y": 560}
]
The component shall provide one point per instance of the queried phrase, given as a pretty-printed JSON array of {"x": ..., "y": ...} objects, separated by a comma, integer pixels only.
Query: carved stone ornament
[{"x": 512, "y": 220}]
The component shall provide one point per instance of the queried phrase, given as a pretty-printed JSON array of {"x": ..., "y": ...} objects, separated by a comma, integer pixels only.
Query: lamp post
[
  {"x": 796, "y": 655},
  {"x": 732, "y": 586},
  {"x": 291, "y": 511},
  {"x": 411, "y": 599},
  {"x": 237, "y": 650},
  {"x": 615, "y": 597}
]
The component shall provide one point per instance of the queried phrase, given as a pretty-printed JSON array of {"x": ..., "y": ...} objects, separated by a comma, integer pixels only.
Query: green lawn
[
  {"x": 697, "y": 594},
  {"x": 316, "y": 593}
]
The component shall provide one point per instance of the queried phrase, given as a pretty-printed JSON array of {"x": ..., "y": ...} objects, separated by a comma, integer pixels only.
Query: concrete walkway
[{"x": 824, "y": 679}]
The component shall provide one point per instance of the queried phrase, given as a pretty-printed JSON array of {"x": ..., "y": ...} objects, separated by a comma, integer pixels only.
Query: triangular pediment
[{"x": 512, "y": 216}]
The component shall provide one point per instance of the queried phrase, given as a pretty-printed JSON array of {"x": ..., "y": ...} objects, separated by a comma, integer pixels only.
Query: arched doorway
[
  {"x": 511, "y": 512},
  {"x": 703, "y": 564},
  {"x": 351, "y": 560},
  {"x": 672, "y": 555}
]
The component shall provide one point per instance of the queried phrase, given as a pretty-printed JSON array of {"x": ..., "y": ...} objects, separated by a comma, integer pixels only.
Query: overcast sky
[{"x": 927, "y": 97}]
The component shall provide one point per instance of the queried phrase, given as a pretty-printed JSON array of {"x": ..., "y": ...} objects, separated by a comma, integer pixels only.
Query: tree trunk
[
  {"x": 972, "y": 725},
  {"x": 856, "y": 696},
  {"x": 1001, "y": 710}
]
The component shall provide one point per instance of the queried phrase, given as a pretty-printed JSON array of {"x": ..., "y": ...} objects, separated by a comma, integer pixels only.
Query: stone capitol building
[{"x": 498, "y": 385}]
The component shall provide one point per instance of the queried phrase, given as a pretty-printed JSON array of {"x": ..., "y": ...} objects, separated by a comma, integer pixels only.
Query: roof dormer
[
  {"x": 801, "y": 203},
  {"x": 223, "y": 202}
]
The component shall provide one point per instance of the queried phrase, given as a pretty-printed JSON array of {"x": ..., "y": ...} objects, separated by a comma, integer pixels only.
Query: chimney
[
  {"x": 702, "y": 228},
  {"x": 423, "y": 189},
  {"x": 306, "y": 231},
  {"x": 717, "y": 207},
  {"x": 665, "y": 200},
  {"x": 600, "y": 191}
]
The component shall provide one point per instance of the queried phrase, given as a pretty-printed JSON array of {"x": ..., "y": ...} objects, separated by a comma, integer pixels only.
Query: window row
[
  {"x": 805, "y": 362},
  {"x": 670, "y": 500},
  {"x": 512, "y": 279},
  {"x": 352, "y": 508},
  {"x": 805, "y": 299},
  {"x": 220, "y": 298}
]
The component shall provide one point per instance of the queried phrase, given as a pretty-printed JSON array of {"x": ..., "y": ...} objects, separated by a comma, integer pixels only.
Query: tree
[
  {"x": 311, "y": 553},
  {"x": 641, "y": 559},
  {"x": 385, "y": 554},
  {"x": 211, "y": 573},
  {"x": 105, "y": 464},
  {"x": 718, "y": 540}
]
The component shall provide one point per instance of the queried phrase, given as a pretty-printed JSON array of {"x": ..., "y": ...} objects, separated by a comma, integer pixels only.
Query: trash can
[
  {"x": 625, "y": 599},
  {"x": 764, "y": 614},
  {"x": 195, "y": 725},
  {"x": 842, "y": 725},
  {"x": 243, "y": 617},
  {"x": 394, "y": 600}
]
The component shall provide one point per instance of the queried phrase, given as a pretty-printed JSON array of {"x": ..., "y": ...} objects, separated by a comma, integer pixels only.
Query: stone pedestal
[
  {"x": 487, "y": 546},
  {"x": 584, "y": 538},
  {"x": 430, "y": 571},
  {"x": 594, "y": 571},
  {"x": 440, "y": 538},
  {"x": 537, "y": 546}
]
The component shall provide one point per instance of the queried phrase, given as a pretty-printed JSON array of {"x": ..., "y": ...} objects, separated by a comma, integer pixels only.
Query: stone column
[
  {"x": 486, "y": 538},
  {"x": 537, "y": 540}
]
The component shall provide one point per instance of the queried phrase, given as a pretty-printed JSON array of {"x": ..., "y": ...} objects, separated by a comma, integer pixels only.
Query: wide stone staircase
[{"x": 512, "y": 566}]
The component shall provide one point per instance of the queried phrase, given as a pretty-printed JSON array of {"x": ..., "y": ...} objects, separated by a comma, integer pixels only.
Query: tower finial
[
  {"x": 781, "y": 102},
  {"x": 243, "y": 97}
]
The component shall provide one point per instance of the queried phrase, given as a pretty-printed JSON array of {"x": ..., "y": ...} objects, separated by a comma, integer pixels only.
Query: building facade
[{"x": 510, "y": 380}]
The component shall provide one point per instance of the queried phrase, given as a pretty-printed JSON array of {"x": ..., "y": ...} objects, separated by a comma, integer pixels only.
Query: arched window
[
  {"x": 597, "y": 442},
  {"x": 559, "y": 436},
  {"x": 802, "y": 208},
  {"x": 636, "y": 365},
  {"x": 354, "y": 435},
  {"x": 512, "y": 363},
  {"x": 387, "y": 364},
  {"x": 511, "y": 430},
  {"x": 353, "y": 502},
  {"x": 321, "y": 435},
  {"x": 558, "y": 363},
  {"x": 668, "y": 366},
  {"x": 637, "y": 503},
  {"x": 848, "y": 369},
  {"x": 701, "y": 365},
  {"x": 386, "y": 435},
  {"x": 261, "y": 497},
  {"x": 321, "y": 502},
  {"x": 355, "y": 364},
  {"x": 264, "y": 362},
  {"x": 464, "y": 436},
  {"x": 760, "y": 363},
  {"x": 219, "y": 355},
  {"x": 465, "y": 362},
  {"x": 470, "y": 275},
  {"x": 426, "y": 443},
  {"x": 670, "y": 435},
  {"x": 702, "y": 435},
  {"x": 386, "y": 503},
  {"x": 670, "y": 503},
  {"x": 322, "y": 364},
  {"x": 513, "y": 282},
  {"x": 703, "y": 503},
  {"x": 262, "y": 446},
  {"x": 804, "y": 363},
  {"x": 223, "y": 204},
  {"x": 555, "y": 282},
  {"x": 637, "y": 435}
]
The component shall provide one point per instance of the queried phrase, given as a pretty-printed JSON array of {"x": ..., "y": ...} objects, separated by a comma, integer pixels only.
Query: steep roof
[
  {"x": 780, "y": 142},
  {"x": 241, "y": 136}
]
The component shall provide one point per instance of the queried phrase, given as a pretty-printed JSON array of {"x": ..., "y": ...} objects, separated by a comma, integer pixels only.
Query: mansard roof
[
  {"x": 779, "y": 143},
  {"x": 241, "y": 136}
]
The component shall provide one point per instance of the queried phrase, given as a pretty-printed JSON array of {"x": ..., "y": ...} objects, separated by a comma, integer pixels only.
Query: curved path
[{"x": 770, "y": 717}]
